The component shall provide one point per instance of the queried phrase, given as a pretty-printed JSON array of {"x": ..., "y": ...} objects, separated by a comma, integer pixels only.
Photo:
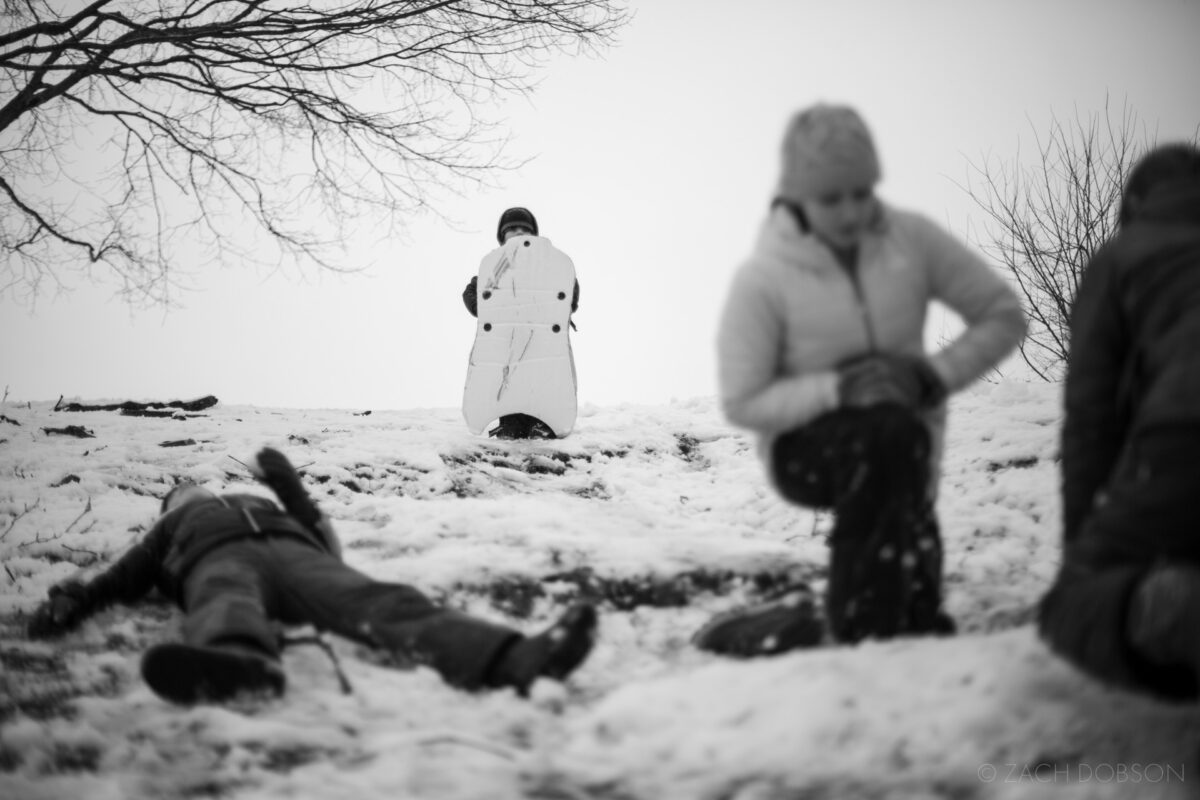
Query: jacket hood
[{"x": 1176, "y": 201}]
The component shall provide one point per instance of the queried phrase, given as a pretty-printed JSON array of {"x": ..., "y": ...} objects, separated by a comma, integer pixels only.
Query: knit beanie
[
  {"x": 515, "y": 216},
  {"x": 826, "y": 148}
]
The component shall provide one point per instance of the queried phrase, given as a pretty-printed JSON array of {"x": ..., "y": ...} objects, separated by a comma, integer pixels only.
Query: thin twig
[
  {"x": 82, "y": 514},
  {"x": 13, "y": 523},
  {"x": 91, "y": 553},
  {"x": 465, "y": 741},
  {"x": 252, "y": 472},
  {"x": 37, "y": 539}
]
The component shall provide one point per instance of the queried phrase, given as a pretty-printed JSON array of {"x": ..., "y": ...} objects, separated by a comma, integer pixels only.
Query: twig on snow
[
  {"x": 251, "y": 471},
  {"x": 82, "y": 514},
  {"x": 91, "y": 553},
  {"x": 449, "y": 737},
  {"x": 37, "y": 539},
  {"x": 13, "y": 523}
]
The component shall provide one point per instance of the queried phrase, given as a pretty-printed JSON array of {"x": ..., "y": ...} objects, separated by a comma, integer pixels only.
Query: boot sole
[{"x": 188, "y": 675}]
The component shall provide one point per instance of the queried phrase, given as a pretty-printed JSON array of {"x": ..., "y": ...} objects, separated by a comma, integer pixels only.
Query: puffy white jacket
[{"x": 793, "y": 314}]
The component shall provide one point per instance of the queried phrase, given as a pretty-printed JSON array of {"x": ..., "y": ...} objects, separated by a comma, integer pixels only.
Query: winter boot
[
  {"x": 554, "y": 653},
  {"x": 1163, "y": 622},
  {"x": 785, "y": 623},
  {"x": 187, "y": 674},
  {"x": 540, "y": 430}
]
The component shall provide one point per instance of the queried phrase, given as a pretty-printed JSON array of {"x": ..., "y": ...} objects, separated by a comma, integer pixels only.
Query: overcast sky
[{"x": 652, "y": 168}]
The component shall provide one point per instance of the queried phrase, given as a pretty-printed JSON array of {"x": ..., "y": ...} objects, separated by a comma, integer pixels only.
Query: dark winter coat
[
  {"x": 182, "y": 537},
  {"x": 1133, "y": 379},
  {"x": 470, "y": 297}
]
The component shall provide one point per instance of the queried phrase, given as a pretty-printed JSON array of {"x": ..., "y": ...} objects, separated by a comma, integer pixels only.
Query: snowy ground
[{"x": 662, "y": 514}]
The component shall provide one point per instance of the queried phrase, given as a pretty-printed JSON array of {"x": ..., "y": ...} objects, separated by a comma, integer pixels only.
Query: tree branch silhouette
[{"x": 139, "y": 138}]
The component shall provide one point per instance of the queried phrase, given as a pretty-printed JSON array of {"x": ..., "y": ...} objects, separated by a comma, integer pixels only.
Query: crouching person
[
  {"x": 238, "y": 566},
  {"x": 1125, "y": 607},
  {"x": 821, "y": 354}
]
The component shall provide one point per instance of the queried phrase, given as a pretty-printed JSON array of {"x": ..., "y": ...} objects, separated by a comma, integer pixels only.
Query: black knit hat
[{"x": 515, "y": 216}]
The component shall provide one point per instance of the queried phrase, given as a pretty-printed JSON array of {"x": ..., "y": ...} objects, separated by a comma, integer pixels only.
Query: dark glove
[
  {"x": 281, "y": 476},
  {"x": 65, "y": 609},
  {"x": 909, "y": 381},
  {"x": 470, "y": 296},
  {"x": 916, "y": 371},
  {"x": 868, "y": 381}
]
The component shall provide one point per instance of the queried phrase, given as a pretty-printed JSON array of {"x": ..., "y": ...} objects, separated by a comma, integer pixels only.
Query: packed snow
[{"x": 663, "y": 516}]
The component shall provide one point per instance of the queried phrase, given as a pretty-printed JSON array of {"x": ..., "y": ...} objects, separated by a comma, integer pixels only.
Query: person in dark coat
[
  {"x": 515, "y": 221},
  {"x": 1125, "y": 606},
  {"x": 239, "y": 566}
]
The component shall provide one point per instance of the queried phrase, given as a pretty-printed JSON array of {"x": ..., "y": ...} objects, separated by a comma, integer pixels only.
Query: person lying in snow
[
  {"x": 821, "y": 353},
  {"x": 515, "y": 221},
  {"x": 238, "y": 566},
  {"x": 1125, "y": 606}
]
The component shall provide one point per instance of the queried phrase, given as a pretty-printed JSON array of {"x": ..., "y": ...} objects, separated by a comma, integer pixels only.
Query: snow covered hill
[{"x": 663, "y": 516}]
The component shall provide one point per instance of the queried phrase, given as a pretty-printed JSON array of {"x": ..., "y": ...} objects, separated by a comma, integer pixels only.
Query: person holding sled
[
  {"x": 516, "y": 221},
  {"x": 1125, "y": 606},
  {"x": 239, "y": 566},
  {"x": 821, "y": 353}
]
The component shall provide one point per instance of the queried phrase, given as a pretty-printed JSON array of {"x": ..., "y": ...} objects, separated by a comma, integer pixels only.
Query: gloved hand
[
  {"x": 909, "y": 381},
  {"x": 276, "y": 471},
  {"x": 868, "y": 381},
  {"x": 916, "y": 371},
  {"x": 63, "y": 611}
]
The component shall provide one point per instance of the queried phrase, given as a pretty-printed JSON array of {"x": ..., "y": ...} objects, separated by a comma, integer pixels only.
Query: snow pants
[
  {"x": 1146, "y": 518},
  {"x": 871, "y": 467},
  {"x": 237, "y": 593}
]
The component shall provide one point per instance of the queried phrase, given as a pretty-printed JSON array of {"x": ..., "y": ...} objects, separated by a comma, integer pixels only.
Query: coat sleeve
[
  {"x": 1095, "y": 417},
  {"x": 133, "y": 574},
  {"x": 995, "y": 322},
  {"x": 470, "y": 296},
  {"x": 298, "y": 504},
  {"x": 750, "y": 339}
]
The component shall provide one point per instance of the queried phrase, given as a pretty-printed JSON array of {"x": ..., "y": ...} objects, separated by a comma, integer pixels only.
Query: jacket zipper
[{"x": 861, "y": 301}]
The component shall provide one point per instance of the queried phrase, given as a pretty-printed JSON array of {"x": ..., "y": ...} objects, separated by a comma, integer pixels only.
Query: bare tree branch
[
  {"x": 143, "y": 138},
  {"x": 1044, "y": 222}
]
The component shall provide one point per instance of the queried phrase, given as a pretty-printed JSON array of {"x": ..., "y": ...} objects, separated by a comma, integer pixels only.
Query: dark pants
[
  {"x": 238, "y": 591},
  {"x": 871, "y": 467},
  {"x": 1147, "y": 518}
]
